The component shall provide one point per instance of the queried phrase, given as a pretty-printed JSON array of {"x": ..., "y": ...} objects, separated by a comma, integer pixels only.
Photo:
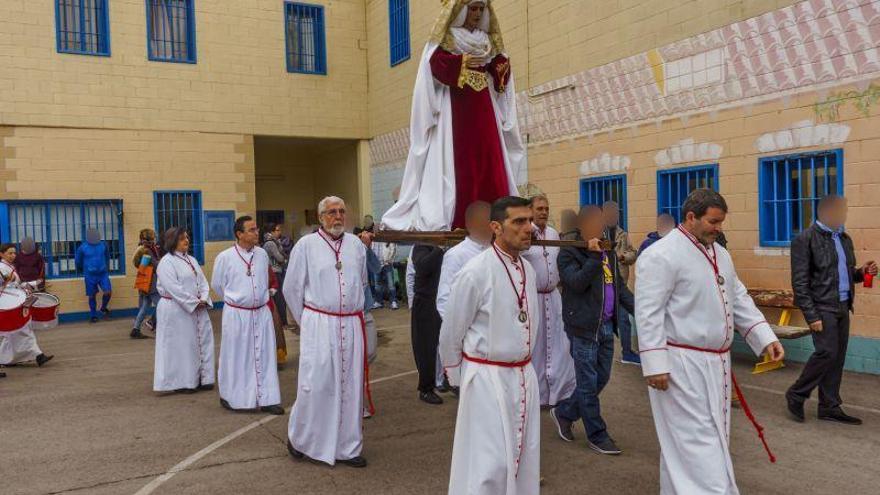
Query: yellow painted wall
[
  {"x": 239, "y": 85},
  {"x": 50, "y": 163}
]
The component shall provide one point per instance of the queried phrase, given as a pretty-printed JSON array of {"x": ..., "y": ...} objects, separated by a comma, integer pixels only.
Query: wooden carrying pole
[{"x": 450, "y": 238}]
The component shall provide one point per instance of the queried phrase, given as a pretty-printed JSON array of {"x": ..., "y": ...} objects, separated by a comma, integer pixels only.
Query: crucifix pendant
[
  {"x": 339, "y": 265},
  {"x": 720, "y": 280},
  {"x": 523, "y": 317},
  {"x": 249, "y": 272}
]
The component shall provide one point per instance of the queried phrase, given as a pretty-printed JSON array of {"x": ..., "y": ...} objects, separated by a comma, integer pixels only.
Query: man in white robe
[
  {"x": 324, "y": 290},
  {"x": 248, "y": 374},
  {"x": 468, "y": 31},
  {"x": 478, "y": 239},
  {"x": 184, "y": 360},
  {"x": 20, "y": 345},
  {"x": 689, "y": 302},
  {"x": 486, "y": 343},
  {"x": 552, "y": 358}
]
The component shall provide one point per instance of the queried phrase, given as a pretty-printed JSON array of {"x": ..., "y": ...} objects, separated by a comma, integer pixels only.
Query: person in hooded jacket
[
  {"x": 93, "y": 261},
  {"x": 665, "y": 224}
]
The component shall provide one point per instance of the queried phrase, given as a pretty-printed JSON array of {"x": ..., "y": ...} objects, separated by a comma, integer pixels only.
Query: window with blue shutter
[
  {"x": 181, "y": 209},
  {"x": 674, "y": 186},
  {"x": 171, "y": 31},
  {"x": 598, "y": 190},
  {"x": 398, "y": 26}
]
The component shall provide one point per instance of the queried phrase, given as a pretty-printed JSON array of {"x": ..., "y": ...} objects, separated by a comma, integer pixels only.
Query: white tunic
[
  {"x": 20, "y": 345},
  {"x": 184, "y": 335},
  {"x": 248, "y": 374},
  {"x": 679, "y": 300},
  {"x": 497, "y": 432},
  {"x": 325, "y": 423},
  {"x": 552, "y": 356}
]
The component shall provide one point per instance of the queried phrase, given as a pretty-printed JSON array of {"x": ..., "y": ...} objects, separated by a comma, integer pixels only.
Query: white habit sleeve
[
  {"x": 295, "y": 280},
  {"x": 218, "y": 277},
  {"x": 464, "y": 301},
  {"x": 450, "y": 267},
  {"x": 750, "y": 322},
  {"x": 654, "y": 284},
  {"x": 168, "y": 278},
  {"x": 205, "y": 289}
]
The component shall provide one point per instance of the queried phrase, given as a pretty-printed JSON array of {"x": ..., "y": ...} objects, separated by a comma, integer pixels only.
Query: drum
[
  {"x": 44, "y": 310},
  {"x": 13, "y": 313}
]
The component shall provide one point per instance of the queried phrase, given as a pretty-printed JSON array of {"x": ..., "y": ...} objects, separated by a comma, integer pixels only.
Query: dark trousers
[
  {"x": 825, "y": 367},
  {"x": 592, "y": 365},
  {"x": 280, "y": 303},
  {"x": 425, "y": 327}
]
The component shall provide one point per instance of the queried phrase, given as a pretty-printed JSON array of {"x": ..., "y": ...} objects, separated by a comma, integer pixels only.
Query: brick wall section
[
  {"x": 239, "y": 85},
  {"x": 556, "y": 169},
  {"x": 51, "y": 163}
]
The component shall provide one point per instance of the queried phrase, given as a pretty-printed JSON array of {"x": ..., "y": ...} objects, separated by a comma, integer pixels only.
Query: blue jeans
[
  {"x": 386, "y": 284},
  {"x": 592, "y": 364},
  {"x": 375, "y": 288},
  {"x": 145, "y": 303},
  {"x": 624, "y": 328}
]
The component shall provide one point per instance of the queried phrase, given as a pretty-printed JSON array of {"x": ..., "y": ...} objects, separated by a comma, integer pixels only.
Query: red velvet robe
[{"x": 477, "y": 148}]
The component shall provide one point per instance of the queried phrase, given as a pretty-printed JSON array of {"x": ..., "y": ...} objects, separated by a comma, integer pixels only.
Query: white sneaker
[
  {"x": 377, "y": 305},
  {"x": 394, "y": 305}
]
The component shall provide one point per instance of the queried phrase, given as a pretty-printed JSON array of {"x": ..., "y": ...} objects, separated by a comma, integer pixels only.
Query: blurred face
[
  {"x": 478, "y": 226},
  {"x": 250, "y": 237},
  {"x": 368, "y": 221},
  {"x": 8, "y": 255},
  {"x": 514, "y": 234},
  {"x": 665, "y": 226},
  {"x": 541, "y": 211},
  {"x": 277, "y": 232},
  {"x": 183, "y": 244},
  {"x": 474, "y": 15},
  {"x": 612, "y": 216},
  {"x": 592, "y": 226},
  {"x": 834, "y": 215},
  {"x": 707, "y": 228},
  {"x": 333, "y": 219}
]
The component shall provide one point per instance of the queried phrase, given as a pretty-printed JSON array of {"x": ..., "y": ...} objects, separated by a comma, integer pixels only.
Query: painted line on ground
[
  {"x": 189, "y": 461},
  {"x": 782, "y": 394}
]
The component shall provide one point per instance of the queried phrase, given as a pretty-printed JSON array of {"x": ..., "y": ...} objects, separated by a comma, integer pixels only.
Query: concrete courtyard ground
[{"x": 88, "y": 423}]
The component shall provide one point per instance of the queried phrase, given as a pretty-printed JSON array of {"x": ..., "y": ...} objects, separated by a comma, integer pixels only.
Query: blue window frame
[
  {"x": 398, "y": 26},
  {"x": 181, "y": 209},
  {"x": 171, "y": 31},
  {"x": 597, "y": 190},
  {"x": 305, "y": 39},
  {"x": 790, "y": 187},
  {"x": 82, "y": 27},
  {"x": 674, "y": 185},
  {"x": 59, "y": 227}
]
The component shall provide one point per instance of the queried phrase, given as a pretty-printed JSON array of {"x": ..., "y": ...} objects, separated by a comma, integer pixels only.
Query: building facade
[{"x": 145, "y": 113}]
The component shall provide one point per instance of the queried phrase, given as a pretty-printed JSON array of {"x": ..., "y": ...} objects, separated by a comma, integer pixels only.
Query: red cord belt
[
  {"x": 360, "y": 315},
  {"x": 742, "y": 398},
  {"x": 503, "y": 364}
]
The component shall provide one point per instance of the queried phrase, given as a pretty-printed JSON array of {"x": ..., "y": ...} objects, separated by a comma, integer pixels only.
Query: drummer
[{"x": 20, "y": 345}]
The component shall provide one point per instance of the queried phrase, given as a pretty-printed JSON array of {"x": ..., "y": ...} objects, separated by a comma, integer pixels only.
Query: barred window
[
  {"x": 171, "y": 31},
  {"x": 598, "y": 190},
  {"x": 181, "y": 209},
  {"x": 305, "y": 38},
  {"x": 674, "y": 186},
  {"x": 82, "y": 27},
  {"x": 398, "y": 27}
]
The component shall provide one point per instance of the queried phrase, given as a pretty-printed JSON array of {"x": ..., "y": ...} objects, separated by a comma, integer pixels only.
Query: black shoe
[
  {"x": 2, "y": 374},
  {"x": 186, "y": 391},
  {"x": 136, "y": 334},
  {"x": 105, "y": 313},
  {"x": 209, "y": 386},
  {"x": 442, "y": 389},
  {"x": 93, "y": 319},
  {"x": 43, "y": 359},
  {"x": 276, "y": 410},
  {"x": 356, "y": 462},
  {"x": 607, "y": 447},
  {"x": 226, "y": 405},
  {"x": 563, "y": 426},
  {"x": 455, "y": 391},
  {"x": 294, "y": 453},
  {"x": 838, "y": 416},
  {"x": 795, "y": 408},
  {"x": 430, "y": 398}
]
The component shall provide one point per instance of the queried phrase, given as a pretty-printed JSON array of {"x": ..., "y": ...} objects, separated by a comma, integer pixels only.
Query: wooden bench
[{"x": 782, "y": 299}]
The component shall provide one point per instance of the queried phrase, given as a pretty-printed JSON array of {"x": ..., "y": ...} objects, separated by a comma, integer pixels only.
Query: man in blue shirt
[
  {"x": 823, "y": 277},
  {"x": 93, "y": 261}
]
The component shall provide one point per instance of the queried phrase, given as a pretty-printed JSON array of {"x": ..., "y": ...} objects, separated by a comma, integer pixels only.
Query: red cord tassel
[{"x": 748, "y": 411}]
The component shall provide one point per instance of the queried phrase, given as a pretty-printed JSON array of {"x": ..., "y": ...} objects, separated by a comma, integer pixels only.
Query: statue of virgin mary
[{"x": 465, "y": 142}]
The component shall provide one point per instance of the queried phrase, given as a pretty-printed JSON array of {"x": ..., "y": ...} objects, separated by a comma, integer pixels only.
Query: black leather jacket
[
  {"x": 814, "y": 274},
  {"x": 583, "y": 290}
]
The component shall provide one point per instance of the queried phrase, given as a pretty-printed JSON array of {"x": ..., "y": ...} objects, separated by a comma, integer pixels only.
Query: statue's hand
[{"x": 476, "y": 62}]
